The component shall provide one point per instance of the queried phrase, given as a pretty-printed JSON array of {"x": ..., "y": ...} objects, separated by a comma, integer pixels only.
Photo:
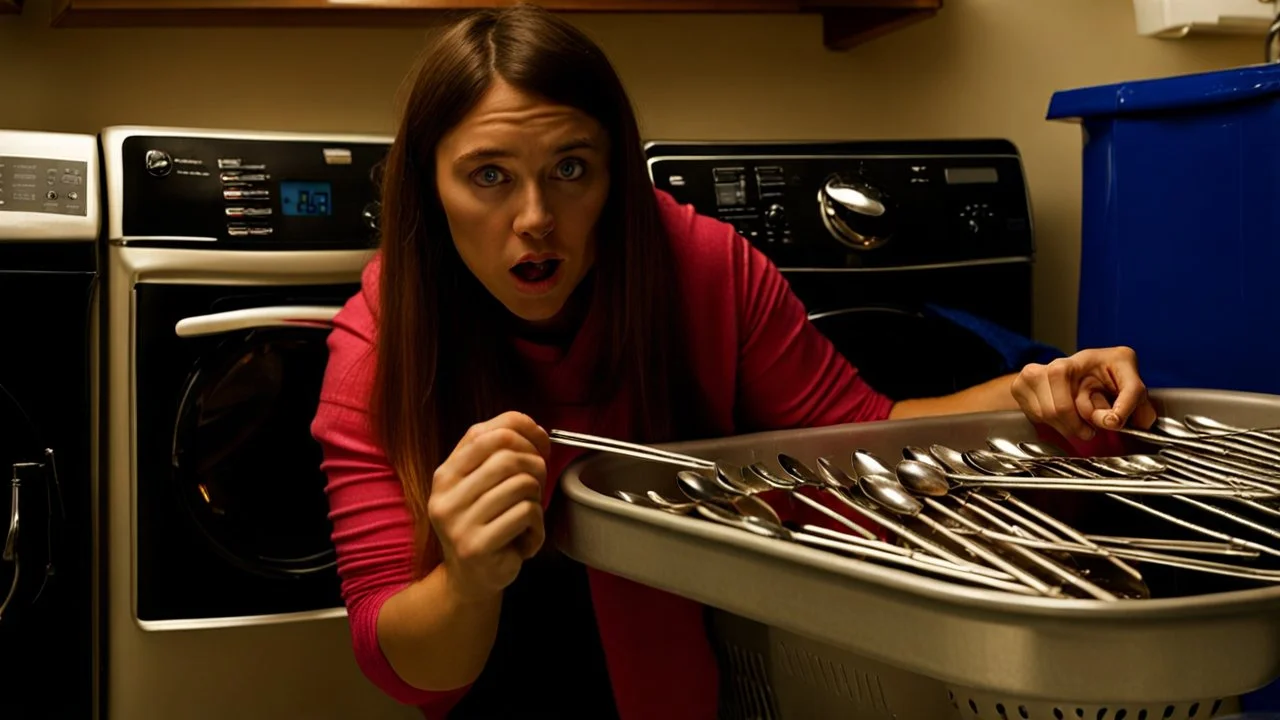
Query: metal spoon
[
  {"x": 1181, "y": 496},
  {"x": 653, "y": 504},
  {"x": 931, "y": 482},
  {"x": 701, "y": 489},
  {"x": 1233, "y": 444},
  {"x": 1020, "y": 450},
  {"x": 892, "y": 496},
  {"x": 799, "y": 477},
  {"x": 712, "y": 494},
  {"x": 840, "y": 479},
  {"x": 1263, "y": 438},
  {"x": 918, "y": 563}
]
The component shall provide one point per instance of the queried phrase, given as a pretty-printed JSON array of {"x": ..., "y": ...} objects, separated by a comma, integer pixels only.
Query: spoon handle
[
  {"x": 1105, "y": 486},
  {"x": 922, "y": 564},
  {"x": 865, "y": 533},
  {"x": 619, "y": 447},
  {"x": 1072, "y": 533},
  {"x": 1025, "y": 577},
  {"x": 881, "y": 546},
  {"x": 906, "y": 534},
  {"x": 1027, "y": 553}
]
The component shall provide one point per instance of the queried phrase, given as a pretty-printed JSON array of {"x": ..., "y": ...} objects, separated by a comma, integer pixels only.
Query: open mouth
[{"x": 536, "y": 272}]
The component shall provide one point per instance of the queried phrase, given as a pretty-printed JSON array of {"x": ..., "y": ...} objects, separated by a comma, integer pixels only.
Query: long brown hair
[{"x": 438, "y": 344}]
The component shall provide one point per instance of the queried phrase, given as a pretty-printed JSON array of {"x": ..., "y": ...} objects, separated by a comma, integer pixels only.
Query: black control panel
[
  {"x": 858, "y": 204},
  {"x": 249, "y": 193}
]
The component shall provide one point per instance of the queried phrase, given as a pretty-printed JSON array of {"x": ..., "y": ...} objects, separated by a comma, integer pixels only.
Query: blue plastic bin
[
  {"x": 1180, "y": 255},
  {"x": 1181, "y": 227}
]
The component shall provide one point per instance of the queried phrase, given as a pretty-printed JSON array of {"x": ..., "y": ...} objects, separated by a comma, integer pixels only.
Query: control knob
[
  {"x": 855, "y": 213},
  {"x": 372, "y": 211},
  {"x": 158, "y": 163},
  {"x": 775, "y": 217}
]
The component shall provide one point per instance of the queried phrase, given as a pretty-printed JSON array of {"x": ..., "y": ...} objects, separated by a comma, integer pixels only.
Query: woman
[{"x": 531, "y": 277}]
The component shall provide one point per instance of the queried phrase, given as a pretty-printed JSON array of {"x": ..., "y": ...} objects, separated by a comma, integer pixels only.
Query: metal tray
[{"x": 994, "y": 645}]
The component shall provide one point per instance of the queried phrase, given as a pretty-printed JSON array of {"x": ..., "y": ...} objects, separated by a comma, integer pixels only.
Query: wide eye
[
  {"x": 488, "y": 176},
  {"x": 570, "y": 169}
]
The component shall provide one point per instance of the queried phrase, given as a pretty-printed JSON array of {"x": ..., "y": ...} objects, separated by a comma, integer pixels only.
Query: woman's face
[{"x": 523, "y": 182}]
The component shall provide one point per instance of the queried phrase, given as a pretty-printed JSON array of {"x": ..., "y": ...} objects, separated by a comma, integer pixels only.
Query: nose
[{"x": 534, "y": 221}]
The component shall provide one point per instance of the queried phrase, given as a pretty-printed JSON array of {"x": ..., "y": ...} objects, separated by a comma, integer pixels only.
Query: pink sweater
[{"x": 761, "y": 366}]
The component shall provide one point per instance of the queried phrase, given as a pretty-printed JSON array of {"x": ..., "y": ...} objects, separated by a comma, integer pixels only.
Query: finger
[
  {"x": 499, "y": 467},
  {"x": 525, "y": 425},
  {"x": 465, "y": 459},
  {"x": 508, "y": 526},
  {"x": 1144, "y": 416},
  {"x": 1101, "y": 409},
  {"x": 1061, "y": 382},
  {"x": 513, "y": 420},
  {"x": 530, "y": 541},
  {"x": 1091, "y": 397},
  {"x": 1044, "y": 395},
  {"x": 1132, "y": 394},
  {"x": 500, "y": 498},
  {"x": 1024, "y": 393}
]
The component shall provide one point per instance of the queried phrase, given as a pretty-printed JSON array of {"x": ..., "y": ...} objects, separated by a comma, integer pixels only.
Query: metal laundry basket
[{"x": 803, "y": 633}]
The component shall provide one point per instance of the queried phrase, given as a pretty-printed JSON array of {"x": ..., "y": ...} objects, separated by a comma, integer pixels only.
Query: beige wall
[{"x": 981, "y": 68}]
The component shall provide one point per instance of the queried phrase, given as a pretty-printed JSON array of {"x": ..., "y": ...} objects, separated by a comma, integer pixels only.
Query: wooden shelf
[
  {"x": 846, "y": 23},
  {"x": 10, "y": 6}
]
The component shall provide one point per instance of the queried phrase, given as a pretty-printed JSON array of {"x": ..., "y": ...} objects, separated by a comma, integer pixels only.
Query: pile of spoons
[{"x": 951, "y": 513}]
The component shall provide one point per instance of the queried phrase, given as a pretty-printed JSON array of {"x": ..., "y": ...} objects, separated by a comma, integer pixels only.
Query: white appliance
[
  {"x": 222, "y": 598},
  {"x": 1180, "y": 18}
]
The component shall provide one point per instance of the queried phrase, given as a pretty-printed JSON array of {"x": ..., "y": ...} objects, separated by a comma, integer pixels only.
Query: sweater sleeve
[
  {"x": 372, "y": 527},
  {"x": 790, "y": 374}
]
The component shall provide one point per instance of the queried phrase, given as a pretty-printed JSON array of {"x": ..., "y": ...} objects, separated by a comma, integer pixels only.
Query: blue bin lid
[{"x": 1178, "y": 92}]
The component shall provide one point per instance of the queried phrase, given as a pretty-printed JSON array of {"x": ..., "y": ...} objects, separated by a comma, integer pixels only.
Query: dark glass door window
[
  {"x": 244, "y": 462},
  {"x": 906, "y": 353}
]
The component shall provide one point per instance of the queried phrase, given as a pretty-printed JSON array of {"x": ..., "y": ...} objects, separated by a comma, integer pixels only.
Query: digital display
[
  {"x": 306, "y": 199},
  {"x": 971, "y": 175}
]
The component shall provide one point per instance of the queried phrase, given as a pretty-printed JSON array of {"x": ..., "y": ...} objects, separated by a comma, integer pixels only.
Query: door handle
[{"x": 304, "y": 316}]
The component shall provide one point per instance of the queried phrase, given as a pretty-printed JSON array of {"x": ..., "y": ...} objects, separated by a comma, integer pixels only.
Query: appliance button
[
  {"x": 237, "y": 230},
  {"x": 260, "y": 230}
]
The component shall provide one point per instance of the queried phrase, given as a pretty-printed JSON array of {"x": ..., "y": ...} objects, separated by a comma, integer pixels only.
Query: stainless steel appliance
[
  {"x": 902, "y": 251},
  {"x": 49, "y": 224},
  {"x": 227, "y": 255}
]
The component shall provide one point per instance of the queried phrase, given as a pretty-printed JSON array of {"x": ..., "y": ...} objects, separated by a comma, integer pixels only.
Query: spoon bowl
[
  {"x": 923, "y": 478},
  {"x": 920, "y": 455},
  {"x": 890, "y": 494},
  {"x": 865, "y": 463}
]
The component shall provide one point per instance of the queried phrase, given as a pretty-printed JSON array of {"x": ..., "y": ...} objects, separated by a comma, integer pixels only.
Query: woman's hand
[
  {"x": 486, "y": 504},
  {"x": 1097, "y": 388}
]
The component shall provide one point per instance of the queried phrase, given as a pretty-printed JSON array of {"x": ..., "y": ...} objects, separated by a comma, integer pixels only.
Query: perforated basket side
[
  {"x": 769, "y": 674},
  {"x": 975, "y": 705}
]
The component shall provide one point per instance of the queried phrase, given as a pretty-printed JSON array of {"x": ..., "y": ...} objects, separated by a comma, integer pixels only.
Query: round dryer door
[
  {"x": 906, "y": 353},
  {"x": 244, "y": 461},
  {"x": 28, "y": 513}
]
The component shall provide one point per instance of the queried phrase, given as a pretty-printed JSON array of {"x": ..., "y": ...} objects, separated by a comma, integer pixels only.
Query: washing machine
[
  {"x": 227, "y": 256},
  {"x": 49, "y": 224},
  {"x": 913, "y": 257}
]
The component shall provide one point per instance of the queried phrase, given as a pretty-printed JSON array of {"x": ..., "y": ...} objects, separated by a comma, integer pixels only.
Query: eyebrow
[{"x": 484, "y": 153}]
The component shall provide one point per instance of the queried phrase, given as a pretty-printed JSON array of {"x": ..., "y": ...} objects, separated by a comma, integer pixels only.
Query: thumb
[{"x": 1101, "y": 414}]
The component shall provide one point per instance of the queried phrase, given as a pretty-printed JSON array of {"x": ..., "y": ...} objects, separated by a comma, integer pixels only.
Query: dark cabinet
[{"x": 846, "y": 23}]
